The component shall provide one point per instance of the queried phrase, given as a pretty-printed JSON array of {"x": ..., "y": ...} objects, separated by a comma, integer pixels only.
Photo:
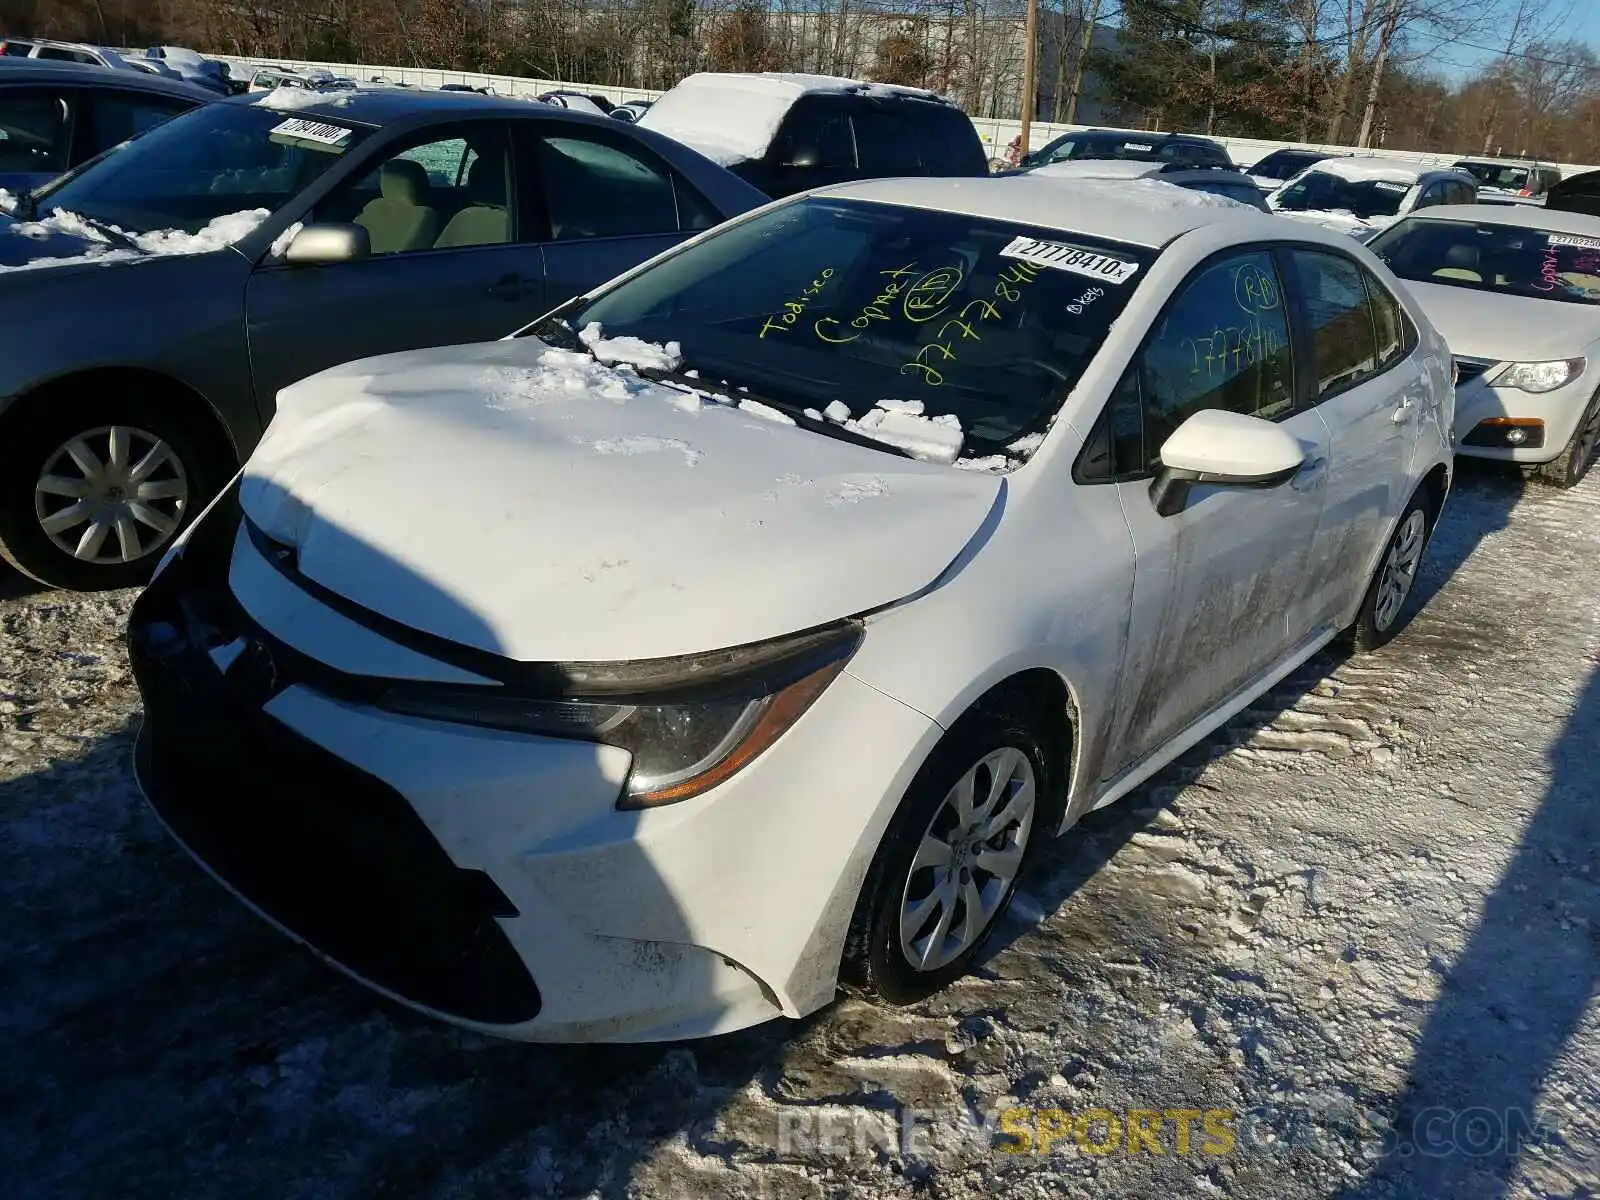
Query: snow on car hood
[
  {"x": 1507, "y": 328},
  {"x": 63, "y": 239},
  {"x": 532, "y": 503}
]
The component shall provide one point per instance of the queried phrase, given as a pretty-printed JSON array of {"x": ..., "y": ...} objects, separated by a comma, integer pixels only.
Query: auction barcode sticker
[
  {"x": 1573, "y": 239},
  {"x": 312, "y": 131},
  {"x": 1390, "y": 185},
  {"x": 1064, "y": 256}
]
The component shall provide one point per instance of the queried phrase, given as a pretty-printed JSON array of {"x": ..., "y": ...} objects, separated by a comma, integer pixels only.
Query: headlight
[
  {"x": 1539, "y": 376},
  {"x": 690, "y": 722}
]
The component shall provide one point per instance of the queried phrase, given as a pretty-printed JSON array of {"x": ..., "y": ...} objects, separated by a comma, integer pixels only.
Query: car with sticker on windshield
[
  {"x": 1516, "y": 293},
  {"x": 1360, "y": 194},
  {"x": 254, "y": 241},
  {"x": 765, "y": 608}
]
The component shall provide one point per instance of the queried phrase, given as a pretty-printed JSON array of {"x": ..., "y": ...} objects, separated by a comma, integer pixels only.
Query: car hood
[
  {"x": 1507, "y": 328},
  {"x": 531, "y": 503},
  {"x": 27, "y": 242}
]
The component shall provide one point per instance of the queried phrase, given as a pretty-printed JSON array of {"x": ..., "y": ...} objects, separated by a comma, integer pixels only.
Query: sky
[{"x": 1459, "y": 59}]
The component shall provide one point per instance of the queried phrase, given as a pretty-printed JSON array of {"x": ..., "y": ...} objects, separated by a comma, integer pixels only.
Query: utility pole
[{"x": 1030, "y": 48}]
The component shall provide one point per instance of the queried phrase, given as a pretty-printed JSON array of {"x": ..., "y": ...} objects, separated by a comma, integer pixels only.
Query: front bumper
[
  {"x": 1547, "y": 419},
  {"x": 487, "y": 877}
]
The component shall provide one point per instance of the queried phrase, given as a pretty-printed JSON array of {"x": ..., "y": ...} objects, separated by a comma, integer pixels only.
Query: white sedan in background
[
  {"x": 1516, "y": 293},
  {"x": 1361, "y": 194},
  {"x": 766, "y": 608}
]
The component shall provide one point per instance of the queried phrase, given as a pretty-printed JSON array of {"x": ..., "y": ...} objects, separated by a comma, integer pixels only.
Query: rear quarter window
[{"x": 948, "y": 142}]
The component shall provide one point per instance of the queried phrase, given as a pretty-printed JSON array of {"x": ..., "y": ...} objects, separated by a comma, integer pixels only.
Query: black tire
[
  {"x": 1376, "y": 625},
  {"x": 30, "y": 440},
  {"x": 1569, "y": 467},
  {"x": 874, "y": 962}
]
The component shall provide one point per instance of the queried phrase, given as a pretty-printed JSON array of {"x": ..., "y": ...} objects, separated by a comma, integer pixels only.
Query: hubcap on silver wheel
[
  {"x": 111, "y": 495},
  {"x": 1399, "y": 570},
  {"x": 969, "y": 855}
]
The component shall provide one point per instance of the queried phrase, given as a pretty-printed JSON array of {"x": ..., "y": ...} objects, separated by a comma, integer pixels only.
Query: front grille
[
  {"x": 331, "y": 853},
  {"x": 1468, "y": 369}
]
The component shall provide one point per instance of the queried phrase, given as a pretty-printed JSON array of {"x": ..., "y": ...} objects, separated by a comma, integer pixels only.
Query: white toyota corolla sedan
[
  {"x": 741, "y": 628},
  {"x": 1516, "y": 293}
]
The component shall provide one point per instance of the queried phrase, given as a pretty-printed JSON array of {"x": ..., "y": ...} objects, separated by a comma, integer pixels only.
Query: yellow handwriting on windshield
[
  {"x": 880, "y": 309},
  {"x": 929, "y": 296},
  {"x": 1007, "y": 290},
  {"x": 789, "y": 316}
]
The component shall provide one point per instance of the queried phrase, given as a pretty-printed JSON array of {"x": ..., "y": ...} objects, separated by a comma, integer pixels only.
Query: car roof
[
  {"x": 1102, "y": 208},
  {"x": 385, "y": 104},
  {"x": 1521, "y": 216},
  {"x": 792, "y": 85},
  {"x": 33, "y": 70},
  {"x": 1361, "y": 167},
  {"x": 1133, "y": 135}
]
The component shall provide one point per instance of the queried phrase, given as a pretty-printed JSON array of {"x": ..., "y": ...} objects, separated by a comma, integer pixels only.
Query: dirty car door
[{"x": 1220, "y": 590}]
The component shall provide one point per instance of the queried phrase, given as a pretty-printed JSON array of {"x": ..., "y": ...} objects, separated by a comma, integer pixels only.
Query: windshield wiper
[{"x": 788, "y": 408}]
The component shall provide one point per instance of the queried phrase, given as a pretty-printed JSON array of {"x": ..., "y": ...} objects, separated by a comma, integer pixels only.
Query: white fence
[{"x": 995, "y": 134}]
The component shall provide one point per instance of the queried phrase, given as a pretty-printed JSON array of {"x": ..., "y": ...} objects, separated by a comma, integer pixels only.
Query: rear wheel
[
  {"x": 1384, "y": 608},
  {"x": 92, "y": 491},
  {"x": 949, "y": 864},
  {"x": 1569, "y": 467}
]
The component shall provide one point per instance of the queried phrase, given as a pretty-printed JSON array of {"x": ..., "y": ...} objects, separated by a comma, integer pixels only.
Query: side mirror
[
  {"x": 318, "y": 245},
  {"x": 1223, "y": 449}
]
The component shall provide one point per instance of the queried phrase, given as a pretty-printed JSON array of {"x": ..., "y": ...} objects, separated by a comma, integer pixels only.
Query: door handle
[{"x": 508, "y": 287}]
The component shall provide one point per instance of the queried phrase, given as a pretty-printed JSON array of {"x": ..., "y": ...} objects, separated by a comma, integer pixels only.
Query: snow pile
[
  {"x": 901, "y": 423},
  {"x": 1024, "y": 447},
  {"x": 293, "y": 99},
  {"x": 1145, "y": 195},
  {"x": 838, "y": 412},
  {"x": 643, "y": 443},
  {"x": 728, "y": 118},
  {"x": 765, "y": 411},
  {"x": 217, "y": 234},
  {"x": 636, "y": 352},
  {"x": 280, "y": 244},
  {"x": 558, "y": 376},
  {"x": 853, "y": 491},
  {"x": 995, "y": 464},
  {"x": 8, "y": 202}
]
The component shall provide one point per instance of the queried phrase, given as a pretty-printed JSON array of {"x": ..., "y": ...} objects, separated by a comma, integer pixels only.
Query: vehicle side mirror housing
[
  {"x": 319, "y": 245},
  {"x": 1218, "y": 448}
]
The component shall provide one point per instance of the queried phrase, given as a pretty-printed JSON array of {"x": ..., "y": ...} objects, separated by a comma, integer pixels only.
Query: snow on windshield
[
  {"x": 631, "y": 350},
  {"x": 901, "y": 423},
  {"x": 292, "y": 99},
  {"x": 8, "y": 202}
]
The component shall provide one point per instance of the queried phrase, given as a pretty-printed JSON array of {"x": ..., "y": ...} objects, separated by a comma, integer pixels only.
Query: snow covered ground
[{"x": 1373, "y": 902}]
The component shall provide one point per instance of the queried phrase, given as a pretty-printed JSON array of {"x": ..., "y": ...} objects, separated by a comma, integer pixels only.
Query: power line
[{"x": 1502, "y": 52}]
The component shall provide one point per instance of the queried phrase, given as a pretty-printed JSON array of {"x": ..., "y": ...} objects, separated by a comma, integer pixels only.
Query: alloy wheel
[
  {"x": 113, "y": 494},
  {"x": 968, "y": 859},
  {"x": 1400, "y": 569}
]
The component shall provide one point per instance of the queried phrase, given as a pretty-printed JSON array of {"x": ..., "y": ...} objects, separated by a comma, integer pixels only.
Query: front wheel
[
  {"x": 948, "y": 865},
  {"x": 1569, "y": 467},
  {"x": 1384, "y": 606},
  {"x": 93, "y": 491}
]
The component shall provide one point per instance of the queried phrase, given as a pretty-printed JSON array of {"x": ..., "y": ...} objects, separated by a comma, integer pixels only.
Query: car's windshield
[
  {"x": 1496, "y": 175},
  {"x": 973, "y": 329},
  {"x": 214, "y": 161},
  {"x": 1494, "y": 258},
  {"x": 1322, "y": 191}
]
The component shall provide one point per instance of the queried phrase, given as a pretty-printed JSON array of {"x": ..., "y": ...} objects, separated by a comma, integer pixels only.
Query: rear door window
[
  {"x": 949, "y": 144},
  {"x": 884, "y": 145},
  {"x": 35, "y": 129},
  {"x": 115, "y": 117},
  {"x": 818, "y": 136},
  {"x": 1338, "y": 319}
]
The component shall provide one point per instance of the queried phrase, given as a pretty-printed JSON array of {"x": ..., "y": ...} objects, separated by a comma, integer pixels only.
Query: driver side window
[
  {"x": 1223, "y": 342},
  {"x": 434, "y": 193}
]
